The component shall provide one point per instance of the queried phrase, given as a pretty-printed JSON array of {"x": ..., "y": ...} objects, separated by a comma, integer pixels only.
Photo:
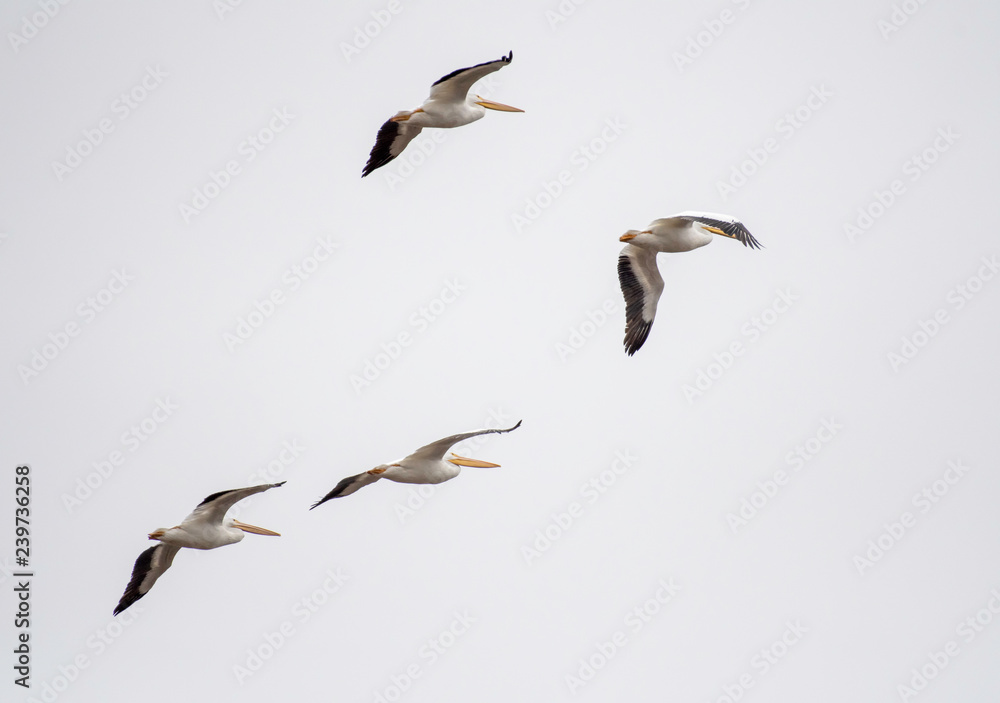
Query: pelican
[
  {"x": 204, "y": 528},
  {"x": 449, "y": 105},
  {"x": 426, "y": 465},
  {"x": 637, "y": 272}
]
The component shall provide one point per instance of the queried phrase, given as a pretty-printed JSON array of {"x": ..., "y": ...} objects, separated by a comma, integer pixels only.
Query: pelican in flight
[
  {"x": 204, "y": 528},
  {"x": 637, "y": 272},
  {"x": 426, "y": 465},
  {"x": 449, "y": 105}
]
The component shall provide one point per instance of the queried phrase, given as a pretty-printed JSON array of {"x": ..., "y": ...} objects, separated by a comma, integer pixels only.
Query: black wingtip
[
  {"x": 328, "y": 496},
  {"x": 635, "y": 336},
  {"x": 139, "y": 570},
  {"x": 381, "y": 153},
  {"x": 636, "y": 329}
]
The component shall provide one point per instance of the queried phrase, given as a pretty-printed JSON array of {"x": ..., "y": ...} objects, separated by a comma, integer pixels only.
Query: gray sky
[{"x": 202, "y": 294}]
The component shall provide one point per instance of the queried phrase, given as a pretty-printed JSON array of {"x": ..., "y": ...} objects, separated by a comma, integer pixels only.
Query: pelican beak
[
  {"x": 628, "y": 236},
  {"x": 157, "y": 534},
  {"x": 475, "y": 463},
  {"x": 490, "y": 105},
  {"x": 254, "y": 530},
  {"x": 716, "y": 230}
]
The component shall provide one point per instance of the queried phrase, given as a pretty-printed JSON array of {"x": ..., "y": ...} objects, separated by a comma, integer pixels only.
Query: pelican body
[
  {"x": 638, "y": 274},
  {"x": 205, "y": 528},
  {"x": 449, "y": 105},
  {"x": 426, "y": 465}
]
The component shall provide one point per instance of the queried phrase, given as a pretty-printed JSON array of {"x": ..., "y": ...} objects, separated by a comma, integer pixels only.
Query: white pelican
[
  {"x": 426, "y": 465},
  {"x": 204, "y": 528},
  {"x": 449, "y": 105},
  {"x": 637, "y": 272}
]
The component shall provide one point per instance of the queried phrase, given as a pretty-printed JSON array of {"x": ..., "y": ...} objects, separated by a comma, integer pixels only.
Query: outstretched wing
[
  {"x": 455, "y": 86},
  {"x": 437, "y": 450},
  {"x": 728, "y": 224},
  {"x": 348, "y": 486},
  {"x": 641, "y": 285},
  {"x": 214, "y": 508},
  {"x": 391, "y": 140},
  {"x": 148, "y": 567}
]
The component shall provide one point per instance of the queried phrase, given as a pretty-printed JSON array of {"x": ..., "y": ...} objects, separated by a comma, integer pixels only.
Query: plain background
[{"x": 528, "y": 337}]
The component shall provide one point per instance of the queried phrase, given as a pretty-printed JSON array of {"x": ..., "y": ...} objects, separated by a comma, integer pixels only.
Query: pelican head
[
  {"x": 252, "y": 529},
  {"x": 490, "y": 105}
]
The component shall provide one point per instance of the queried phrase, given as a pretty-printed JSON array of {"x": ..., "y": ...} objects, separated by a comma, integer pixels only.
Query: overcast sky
[{"x": 789, "y": 493}]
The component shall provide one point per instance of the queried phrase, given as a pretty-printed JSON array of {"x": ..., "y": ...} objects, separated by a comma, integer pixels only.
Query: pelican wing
[
  {"x": 214, "y": 508},
  {"x": 148, "y": 567},
  {"x": 437, "y": 450},
  {"x": 348, "y": 486},
  {"x": 391, "y": 140},
  {"x": 455, "y": 86},
  {"x": 730, "y": 225},
  {"x": 641, "y": 285}
]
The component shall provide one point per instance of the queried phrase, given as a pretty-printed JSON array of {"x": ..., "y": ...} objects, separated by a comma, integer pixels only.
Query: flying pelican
[
  {"x": 449, "y": 105},
  {"x": 204, "y": 528},
  {"x": 637, "y": 272},
  {"x": 426, "y": 465}
]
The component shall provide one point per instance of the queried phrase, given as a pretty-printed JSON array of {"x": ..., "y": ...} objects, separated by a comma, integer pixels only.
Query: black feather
[
  {"x": 139, "y": 571},
  {"x": 381, "y": 153},
  {"x": 442, "y": 79},
  {"x": 636, "y": 328}
]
